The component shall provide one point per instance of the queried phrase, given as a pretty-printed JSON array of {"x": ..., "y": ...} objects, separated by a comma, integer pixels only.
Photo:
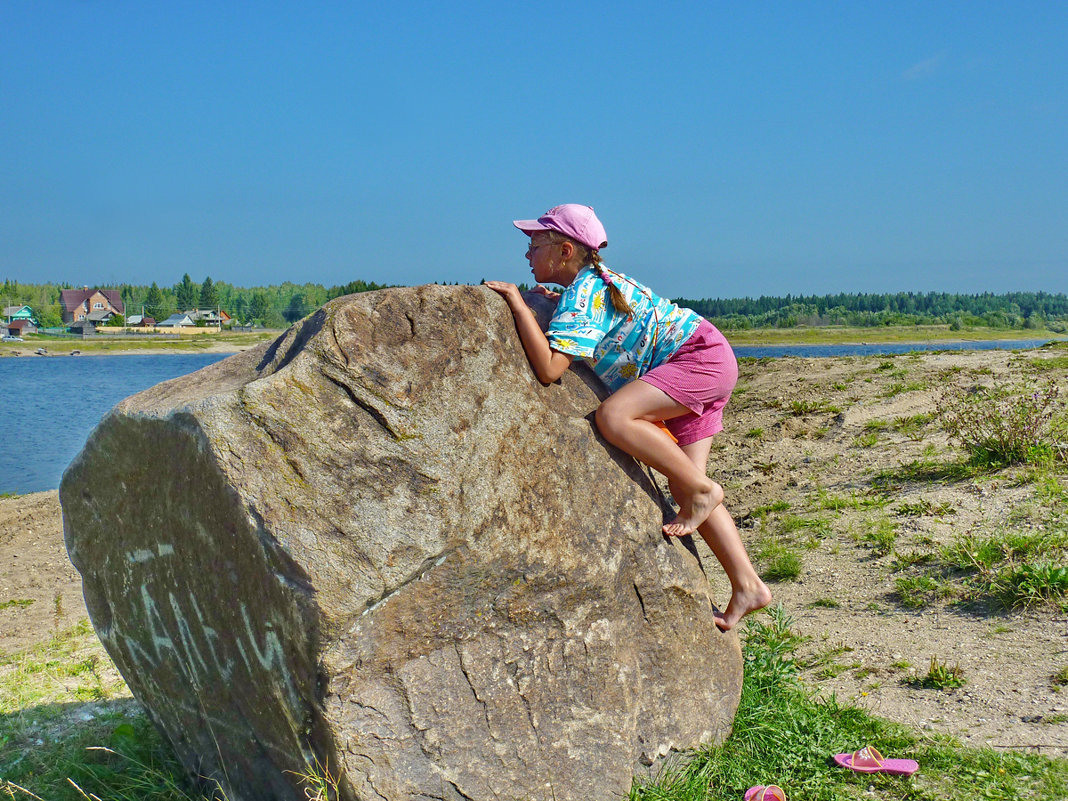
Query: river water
[{"x": 51, "y": 405}]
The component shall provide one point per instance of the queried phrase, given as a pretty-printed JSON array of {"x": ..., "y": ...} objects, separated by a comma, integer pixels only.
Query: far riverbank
[
  {"x": 904, "y": 334},
  {"x": 104, "y": 345},
  {"x": 925, "y": 337}
]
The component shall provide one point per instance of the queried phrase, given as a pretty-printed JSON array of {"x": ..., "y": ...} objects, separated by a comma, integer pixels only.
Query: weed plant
[{"x": 942, "y": 676}]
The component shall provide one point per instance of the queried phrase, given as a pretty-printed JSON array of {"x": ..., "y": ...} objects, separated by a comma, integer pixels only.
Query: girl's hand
[
  {"x": 510, "y": 291},
  {"x": 540, "y": 290}
]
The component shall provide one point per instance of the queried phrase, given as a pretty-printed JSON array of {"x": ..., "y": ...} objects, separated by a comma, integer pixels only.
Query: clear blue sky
[{"x": 730, "y": 148}]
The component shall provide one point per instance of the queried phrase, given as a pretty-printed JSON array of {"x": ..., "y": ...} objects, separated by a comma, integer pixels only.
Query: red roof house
[{"x": 78, "y": 304}]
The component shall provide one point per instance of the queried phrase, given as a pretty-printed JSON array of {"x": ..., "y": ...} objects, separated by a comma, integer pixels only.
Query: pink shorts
[{"x": 701, "y": 376}]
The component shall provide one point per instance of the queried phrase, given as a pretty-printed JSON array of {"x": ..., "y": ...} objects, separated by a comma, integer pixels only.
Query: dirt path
[
  {"x": 820, "y": 460},
  {"x": 40, "y": 591}
]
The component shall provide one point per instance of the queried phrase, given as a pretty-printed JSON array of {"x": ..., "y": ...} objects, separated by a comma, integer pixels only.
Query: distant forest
[
  {"x": 1011, "y": 310},
  {"x": 278, "y": 305}
]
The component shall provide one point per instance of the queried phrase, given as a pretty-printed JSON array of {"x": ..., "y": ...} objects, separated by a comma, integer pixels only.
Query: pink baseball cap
[{"x": 571, "y": 219}]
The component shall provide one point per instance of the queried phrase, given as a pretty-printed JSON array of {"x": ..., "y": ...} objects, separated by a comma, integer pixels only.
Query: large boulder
[{"x": 378, "y": 547}]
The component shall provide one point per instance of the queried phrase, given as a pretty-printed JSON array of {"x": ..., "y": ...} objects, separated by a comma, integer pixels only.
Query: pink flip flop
[
  {"x": 770, "y": 792},
  {"x": 869, "y": 760}
]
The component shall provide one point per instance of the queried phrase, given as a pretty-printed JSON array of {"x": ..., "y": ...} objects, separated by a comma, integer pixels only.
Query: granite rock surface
[{"x": 378, "y": 546}]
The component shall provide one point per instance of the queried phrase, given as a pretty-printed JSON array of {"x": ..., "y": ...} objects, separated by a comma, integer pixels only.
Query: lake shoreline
[{"x": 175, "y": 351}]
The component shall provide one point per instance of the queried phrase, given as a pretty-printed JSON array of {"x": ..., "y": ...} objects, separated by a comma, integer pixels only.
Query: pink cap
[{"x": 571, "y": 219}]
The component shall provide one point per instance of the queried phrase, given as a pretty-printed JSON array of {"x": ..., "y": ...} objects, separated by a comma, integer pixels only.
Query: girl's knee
[{"x": 608, "y": 417}]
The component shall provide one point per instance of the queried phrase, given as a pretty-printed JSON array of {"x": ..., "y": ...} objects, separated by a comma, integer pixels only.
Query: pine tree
[
  {"x": 260, "y": 305},
  {"x": 186, "y": 294},
  {"x": 209, "y": 294},
  {"x": 154, "y": 302}
]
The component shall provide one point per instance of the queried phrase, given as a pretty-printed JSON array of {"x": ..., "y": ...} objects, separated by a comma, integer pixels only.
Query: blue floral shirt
[{"x": 619, "y": 347}]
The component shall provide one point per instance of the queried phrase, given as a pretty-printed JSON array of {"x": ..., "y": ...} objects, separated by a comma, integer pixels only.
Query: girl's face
[{"x": 544, "y": 258}]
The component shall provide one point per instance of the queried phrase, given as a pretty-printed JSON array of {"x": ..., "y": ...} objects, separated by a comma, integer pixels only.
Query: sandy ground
[
  {"x": 40, "y": 591},
  {"x": 869, "y": 649},
  {"x": 861, "y": 644}
]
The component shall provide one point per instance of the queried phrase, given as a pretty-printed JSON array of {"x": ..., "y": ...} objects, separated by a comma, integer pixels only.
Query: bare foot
[
  {"x": 742, "y": 603},
  {"x": 693, "y": 514}
]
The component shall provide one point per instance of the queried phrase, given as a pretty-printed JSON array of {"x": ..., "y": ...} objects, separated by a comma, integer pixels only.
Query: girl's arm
[{"x": 548, "y": 364}]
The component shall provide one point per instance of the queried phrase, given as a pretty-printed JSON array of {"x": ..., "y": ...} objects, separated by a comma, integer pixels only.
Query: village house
[
  {"x": 178, "y": 320},
  {"x": 209, "y": 316},
  {"x": 18, "y": 328},
  {"x": 12, "y": 313},
  {"x": 94, "y": 305}
]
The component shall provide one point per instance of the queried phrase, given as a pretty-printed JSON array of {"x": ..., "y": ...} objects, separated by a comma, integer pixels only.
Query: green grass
[
  {"x": 1020, "y": 563},
  {"x": 898, "y": 388},
  {"x": 781, "y": 563},
  {"x": 824, "y": 603},
  {"x": 69, "y": 732},
  {"x": 880, "y": 536},
  {"x": 924, "y": 508},
  {"x": 923, "y": 471},
  {"x": 1060, "y": 678},
  {"x": 917, "y": 592},
  {"x": 867, "y": 440},
  {"x": 855, "y": 500},
  {"x": 785, "y": 734},
  {"x": 816, "y": 527},
  {"x": 912, "y": 426},
  {"x": 59, "y": 699},
  {"x": 1015, "y": 569},
  {"x": 16, "y": 603},
  {"x": 1043, "y": 365},
  {"x": 800, "y": 408},
  {"x": 761, "y": 512}
]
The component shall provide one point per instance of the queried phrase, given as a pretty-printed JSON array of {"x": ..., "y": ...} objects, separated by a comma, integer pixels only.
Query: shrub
[{"x": 1000, "y": 427}]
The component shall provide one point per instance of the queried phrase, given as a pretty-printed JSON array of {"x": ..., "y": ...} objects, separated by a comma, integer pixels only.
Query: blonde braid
[{"x": 592, "y": 258}]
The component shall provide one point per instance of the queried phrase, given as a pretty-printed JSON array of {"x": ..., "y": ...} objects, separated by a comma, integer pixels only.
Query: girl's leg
[
  {"x": 748, "y": 592},
  {"x": 626, "y": 419}
]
